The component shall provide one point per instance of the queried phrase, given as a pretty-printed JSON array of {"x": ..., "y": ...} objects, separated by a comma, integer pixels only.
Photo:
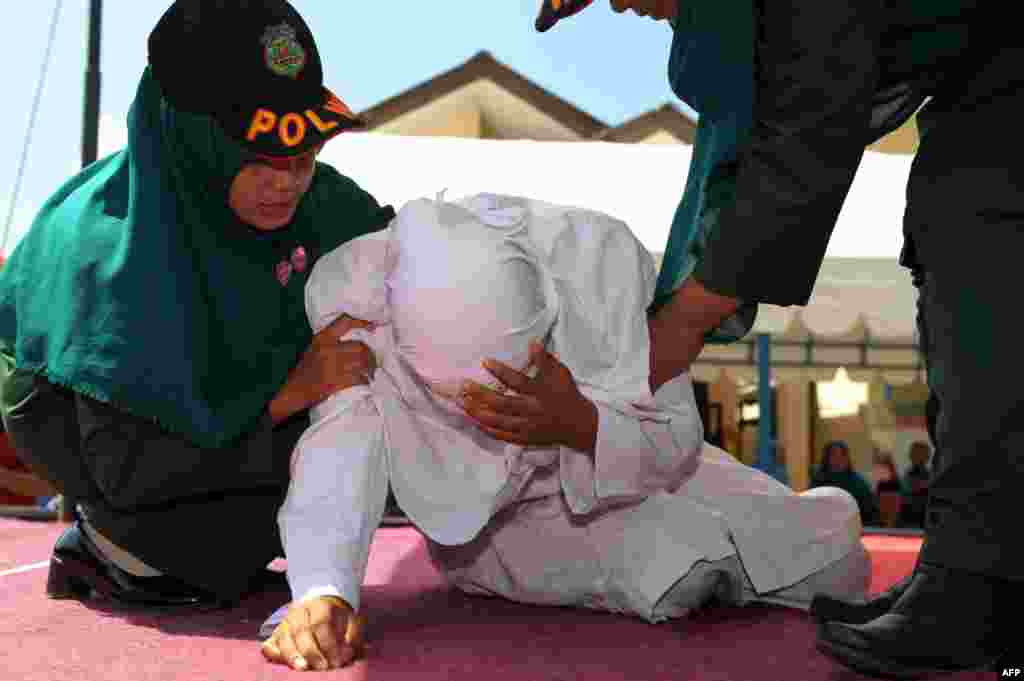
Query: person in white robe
[{"x": 632, "y": 513}]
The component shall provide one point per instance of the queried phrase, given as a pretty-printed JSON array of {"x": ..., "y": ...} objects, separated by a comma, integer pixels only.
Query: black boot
[
  {"x": 946, "y": 621},
  {"x": 827, "y": 609},
  {"x": 78, "y": 569}
]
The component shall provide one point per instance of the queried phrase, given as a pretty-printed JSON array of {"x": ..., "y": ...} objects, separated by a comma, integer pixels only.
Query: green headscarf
[{"x": 137, "y": 284}]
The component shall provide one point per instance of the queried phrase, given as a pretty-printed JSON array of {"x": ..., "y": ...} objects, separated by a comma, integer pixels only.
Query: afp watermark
[{"x": 1008, "y": 672}]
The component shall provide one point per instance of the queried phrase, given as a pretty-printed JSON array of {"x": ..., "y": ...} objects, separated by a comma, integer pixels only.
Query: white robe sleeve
[
  {"x": 338, "y": 488},
  {"x": 351, "y": 280},
  {"x": 645, "y": 443},
  {"x": 335, "y": 499},
  {"x": 636, "y": 455}
]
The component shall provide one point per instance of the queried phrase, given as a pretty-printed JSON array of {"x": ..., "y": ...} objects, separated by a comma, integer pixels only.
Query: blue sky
[{"x": 611, "y": 66}]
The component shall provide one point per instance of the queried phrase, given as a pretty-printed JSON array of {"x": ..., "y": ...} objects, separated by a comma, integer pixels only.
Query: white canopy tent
[{"x": 861, "y": 315}]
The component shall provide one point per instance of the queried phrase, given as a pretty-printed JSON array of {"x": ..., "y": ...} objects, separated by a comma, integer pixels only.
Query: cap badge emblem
[{"x": 282, "y": 52}]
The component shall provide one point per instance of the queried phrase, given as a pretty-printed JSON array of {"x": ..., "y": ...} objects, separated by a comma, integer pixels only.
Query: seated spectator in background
[
  {"x": 889, "y": 489},
  {"x": 917, "y": 480},
  {"x": 837, "y": 471},
  {"x": 884, "y": 474}
]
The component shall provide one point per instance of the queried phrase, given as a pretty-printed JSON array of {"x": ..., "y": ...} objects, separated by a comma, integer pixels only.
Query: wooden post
[{"x": 795, "y": 432}]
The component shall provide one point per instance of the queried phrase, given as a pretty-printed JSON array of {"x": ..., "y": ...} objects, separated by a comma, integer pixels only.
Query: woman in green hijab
[
  {"x": 837, "y": 471},
  {"x": 158, "y": 364}
]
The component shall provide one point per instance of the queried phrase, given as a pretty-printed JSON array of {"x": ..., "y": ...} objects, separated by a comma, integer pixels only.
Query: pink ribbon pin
[
  {"x": 283, "y": 272},
  {"x": 299, "y": 259}
]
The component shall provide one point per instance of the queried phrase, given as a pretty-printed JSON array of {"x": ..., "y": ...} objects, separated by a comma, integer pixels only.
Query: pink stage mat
[{"x": 418, "y": 629}]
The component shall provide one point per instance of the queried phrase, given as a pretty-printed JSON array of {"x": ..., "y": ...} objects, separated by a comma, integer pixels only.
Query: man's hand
[
  {"x": 677, "y": 330},
  {"x": 542, "y": 411},
  {"x": 318, "y": 634}
]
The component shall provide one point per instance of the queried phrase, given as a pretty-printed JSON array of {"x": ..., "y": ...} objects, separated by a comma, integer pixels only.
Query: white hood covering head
[
  {"x": 451, "y": 284},
  {"x": 465, "y": 288}
]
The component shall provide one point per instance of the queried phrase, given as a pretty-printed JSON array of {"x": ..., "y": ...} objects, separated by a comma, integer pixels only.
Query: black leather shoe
[
  {"x": 946, "y": 621},
  {"x": 78, "y": 569},
  {"x": 828, "y": 609}
]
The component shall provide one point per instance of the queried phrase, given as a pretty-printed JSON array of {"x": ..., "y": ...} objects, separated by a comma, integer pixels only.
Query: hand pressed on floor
[{"x": 318, "y": 634}]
